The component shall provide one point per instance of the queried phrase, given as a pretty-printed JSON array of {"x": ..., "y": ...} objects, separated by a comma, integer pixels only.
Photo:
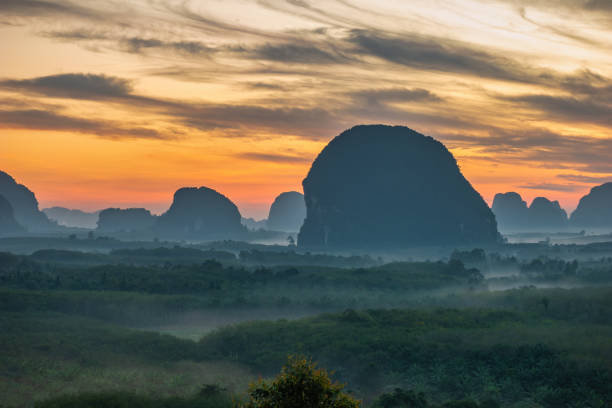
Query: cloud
[
  {"x": 52, "y": 121},
  {"x": 579, "y": 178},
  {"x": 29, "y": 8},
  {"x": 265, "y": 86},
  {"x": 540, "y": 148},
  {"x": 552, "y": 187},
  {"x": 311, "y": 123},
  {"x": 296, "y": 53},
  {"x": 385, "y": 96},
  {"x": 136, "y": 45},
  {"x": 430, "y": 53},
  {"x": 76, "y": 86},
  {"x": 274, "y": 158},
  {"x": 567, "y": 108}
]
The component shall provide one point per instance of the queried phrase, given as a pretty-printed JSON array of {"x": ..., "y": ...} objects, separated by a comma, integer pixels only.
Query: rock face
[
  {"x": 125, "y": 220},
  {"x": 510, "y": 211},
  {"x": 287, "y": 212},
  {"x": 383, "y": 186},
  {"x": 8, "y": 224},
  {"x": 594, "y": 209},
  {"x": 546, "y": 215},
  {"x": 25, "y": 205},
  {"x": 542, "y": 215},
  {"x": 72, "y": 218},
  {"x": 200, "y": 214}
]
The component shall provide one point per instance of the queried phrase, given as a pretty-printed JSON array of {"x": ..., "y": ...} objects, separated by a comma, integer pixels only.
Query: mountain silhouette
[
  {"x": 513, "y": 214},
  {"x": 511, "y": 211},
  {"x": 8, "y": 223},
  {"x": 25, "y": 206},
  {"x": 72, "y": 218},
  {"x": 125, "y": 220},
  {"x": 287, "y": 212},
  {"x": 200, "y": 214},
  {"x": 594, "y": 209},
  {"x": 383, "y": 186},
  {"x": 546, "y": 215}
]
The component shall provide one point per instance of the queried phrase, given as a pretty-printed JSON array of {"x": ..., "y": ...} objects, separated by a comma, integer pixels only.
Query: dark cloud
[
  {"x": 296, "y": 53},
  {"x": 552, "y": 187},
  {"x": 429, "y": 53},
  {"x": 76, "y": 86},
  {"x": 274, "y": 158},
  {"x": 567, "y": 108},
  {"x": 136, "y": 45},
  {"x": 540, "y": 148},
  {"x": 311, "y": 123},
  {"x": 29, "y": 8},
  {"x": 385, "y": 96},
  {"x": 265, "y": 86},
  {"x": 52, "y": 121},
  {"x": 132, "y": 45},
  {"x": 76, "y": 35},
  {"x": 585, "y": 179}
]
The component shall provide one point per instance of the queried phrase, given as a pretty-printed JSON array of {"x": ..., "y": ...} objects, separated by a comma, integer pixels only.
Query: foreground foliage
[{"x": 300, "y": 385}]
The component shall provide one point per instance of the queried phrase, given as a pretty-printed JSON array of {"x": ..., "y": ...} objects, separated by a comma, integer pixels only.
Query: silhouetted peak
[
  {"x": 200, "y": 213},
  {"x": 24, "y": 204},
  {"x": 377, "y": 185},
  {"x": 594, "y": 209},
  {"x": 287, "y": 212},
  {"x": 125, "y": 220}
]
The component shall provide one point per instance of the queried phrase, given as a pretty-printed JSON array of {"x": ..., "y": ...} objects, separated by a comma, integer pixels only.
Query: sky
[{"x": 112, "y": 103}]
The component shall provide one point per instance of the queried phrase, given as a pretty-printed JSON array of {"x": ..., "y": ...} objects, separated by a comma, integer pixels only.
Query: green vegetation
[
  {"x": 450, "y": 354},
  {"x": 299, "y": 385},
  {"x": 151, "y": 326}
]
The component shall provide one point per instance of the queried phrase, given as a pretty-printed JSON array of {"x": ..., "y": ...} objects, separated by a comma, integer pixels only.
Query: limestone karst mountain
[
  {"x": 25, "y": 206},
  {"x": 200, "y": 214},
  {"x": 8, "y": 223},
  {"x": 287, "y": 212},
  {"x": 546, "y": 215},
  {"x": 383, "y": 186},
  {"x": 594, "y": 209},
  {"x": 513, "y": 214},
  {"x": 125, "y": 220},
  {"x": 510, "y": 211},
  {"x": 72, "y": 218}
]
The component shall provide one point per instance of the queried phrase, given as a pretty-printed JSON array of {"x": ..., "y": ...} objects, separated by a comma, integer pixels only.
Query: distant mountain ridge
[
  {"x": 513, "y": 214},
  {"x": 287, "y": 212},
  {"x": 594, "y": 209},
  {"x": 200, "y": 214},
  {"x": 25, "y": 206},
  {"x": 72, "y": 218}
]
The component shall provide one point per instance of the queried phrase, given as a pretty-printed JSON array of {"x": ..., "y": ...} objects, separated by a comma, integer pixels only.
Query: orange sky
[{"x": 119, "y": 104}]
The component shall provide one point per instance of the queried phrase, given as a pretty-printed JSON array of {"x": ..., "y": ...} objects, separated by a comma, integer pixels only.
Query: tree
[
  {"x": 300, "y": 385},
  {"x": 291, "y": 241}
]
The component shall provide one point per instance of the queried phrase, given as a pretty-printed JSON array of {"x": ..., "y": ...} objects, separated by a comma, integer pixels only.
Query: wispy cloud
[
  {"x": 53, "y": 121},
  {"x": 552, "y": 187},
  {"x": 76, "y": 86},
  {"x": 274, "y": 158}
]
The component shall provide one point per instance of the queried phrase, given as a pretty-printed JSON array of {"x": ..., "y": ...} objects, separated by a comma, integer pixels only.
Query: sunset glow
[{"x": 108, "y": 103}]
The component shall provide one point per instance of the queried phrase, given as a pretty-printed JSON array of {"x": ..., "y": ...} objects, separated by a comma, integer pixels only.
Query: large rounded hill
[
  {"x": 383, "y": 186},
  {"x": 200, "y": 214}
]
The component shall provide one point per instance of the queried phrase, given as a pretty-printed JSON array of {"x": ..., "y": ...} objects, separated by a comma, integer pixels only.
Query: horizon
[
  {"x": 262, "y": 214},
  {"x": 119, "y": 105}
]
